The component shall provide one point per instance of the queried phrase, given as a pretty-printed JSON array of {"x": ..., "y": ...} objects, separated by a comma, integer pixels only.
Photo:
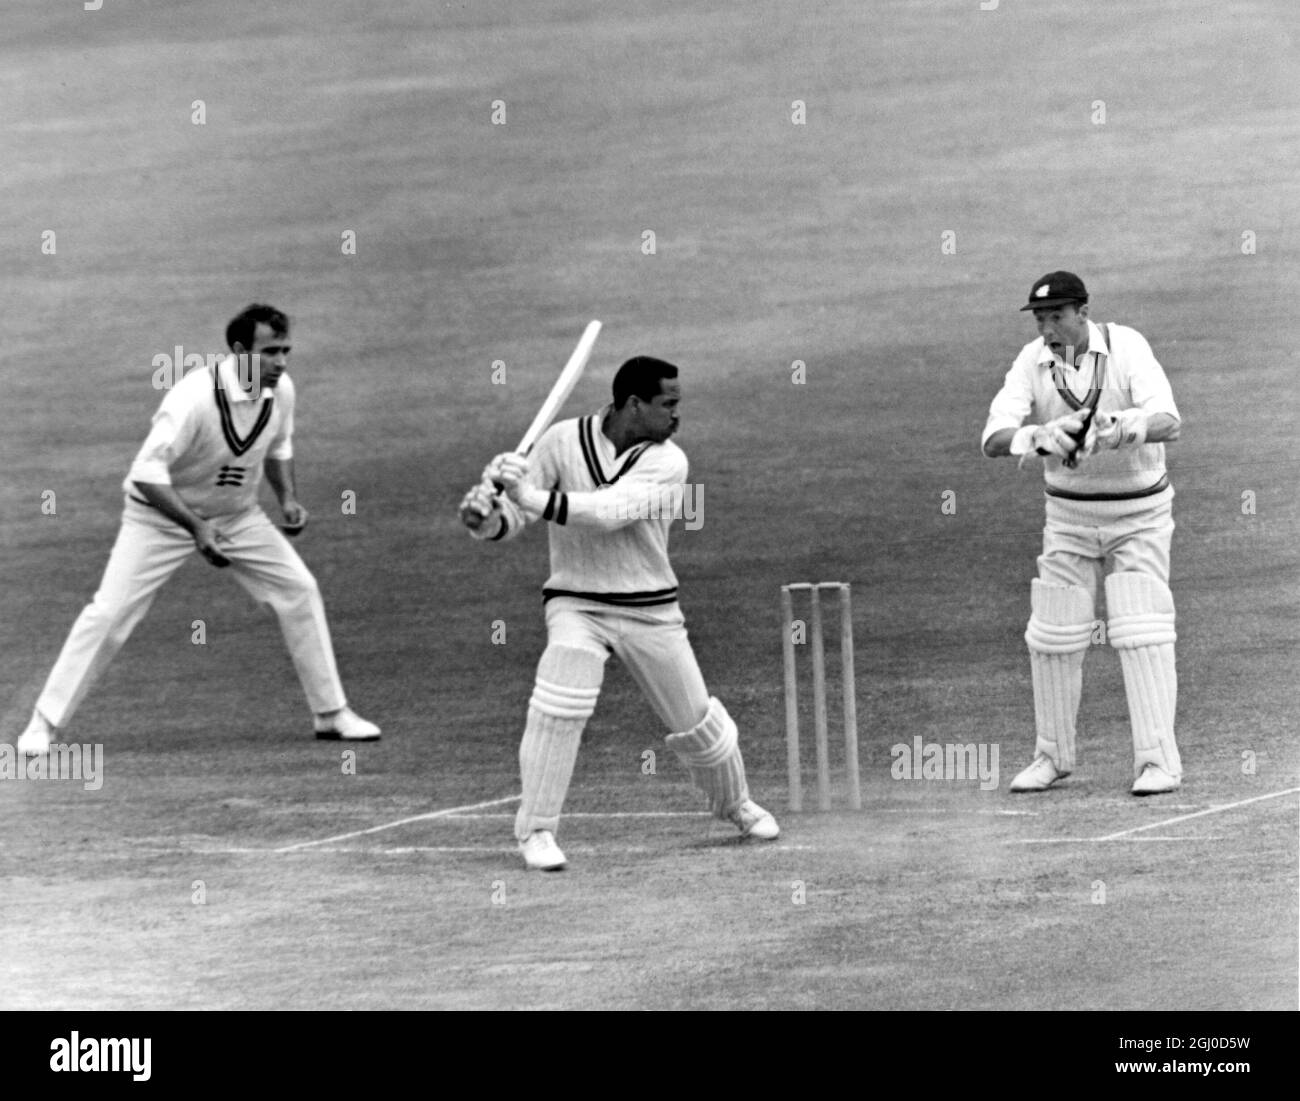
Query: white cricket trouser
[
  {"x": 1081, "y": 538},
  {"x": 650, "y": 642},
  {"x": 149, "y": 549}
]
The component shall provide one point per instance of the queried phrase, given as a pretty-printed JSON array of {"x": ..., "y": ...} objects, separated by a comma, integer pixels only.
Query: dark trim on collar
[
  {"x": 587, "y": 429},
  {"x": 234, "y": 441},
  {"x": 1098, "y": 377}
]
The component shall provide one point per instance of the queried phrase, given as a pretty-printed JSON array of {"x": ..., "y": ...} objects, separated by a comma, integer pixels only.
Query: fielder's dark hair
[
  {"x": 243, "y": 328},
  {"x": 640, "y": 376}
]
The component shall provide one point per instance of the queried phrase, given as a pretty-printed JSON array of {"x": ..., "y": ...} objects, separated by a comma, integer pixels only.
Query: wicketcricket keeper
[
  {"x": 609, "y": 486},
  {"x": 1094, "y": 403}
]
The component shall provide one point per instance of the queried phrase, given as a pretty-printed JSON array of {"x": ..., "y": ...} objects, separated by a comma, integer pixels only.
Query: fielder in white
[
  {"x": 610, "y": 486},
  {"x": 194, "y": 485},
  {"x": 1101, "y": 410}
]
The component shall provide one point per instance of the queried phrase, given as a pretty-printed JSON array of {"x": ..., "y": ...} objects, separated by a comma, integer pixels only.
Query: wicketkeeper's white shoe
[
  {"x": 541, "y": 853},
  {"x": 35, "y": 740},
  {"x": 753, "y": 821},
  {"x": 1154, "y": 780},
  {"x": 345, "y": 726},
  {"x": 1039, "y": 776}
]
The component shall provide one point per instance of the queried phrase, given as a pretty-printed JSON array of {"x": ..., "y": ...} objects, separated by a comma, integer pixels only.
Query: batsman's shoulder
[
  {"x": 558, "y": 435},
  {"x": 668, "y": 460}
]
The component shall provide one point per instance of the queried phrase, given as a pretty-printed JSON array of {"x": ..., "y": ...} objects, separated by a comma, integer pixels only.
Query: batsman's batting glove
[
  {"x": 1125, "y": 429},
  {"x": 477, "y": 508},
  {"x": 492, "y": 472},
  {"x": 511, "y": 478},
  {"x": 512, "y": 468}
]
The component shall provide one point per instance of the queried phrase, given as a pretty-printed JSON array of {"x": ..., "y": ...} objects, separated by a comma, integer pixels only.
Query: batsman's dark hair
[
  {"x": 243, "y": 327},
  {"x": 640, "y": 376}
]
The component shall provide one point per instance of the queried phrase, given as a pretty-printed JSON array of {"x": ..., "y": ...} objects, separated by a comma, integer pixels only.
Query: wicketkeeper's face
[
  {"x": 658, "y": 418},
  {"x": 1063, "y": 327}
]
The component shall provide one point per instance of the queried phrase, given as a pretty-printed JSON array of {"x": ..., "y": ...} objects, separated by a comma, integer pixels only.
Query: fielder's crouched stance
[
  {"x": 194, "y": 485},
  {"x": 608, "y": 483},
  {"x": 1103, "y": 406}
]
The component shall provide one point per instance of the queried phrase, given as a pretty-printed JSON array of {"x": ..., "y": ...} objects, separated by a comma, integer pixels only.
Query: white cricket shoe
[
  {"x": 1154, "y": 780},
  {"x": 753, "y": 821},
  {"x": 541, "y": 853},
  {"x": 1039, "y": 776},
  {"x": 35, "y": 740},
  {"x": 345, "y": 726}
]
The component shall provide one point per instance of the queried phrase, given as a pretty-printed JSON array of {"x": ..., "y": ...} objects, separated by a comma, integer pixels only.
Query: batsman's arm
[{"x": 656, "y": 490}]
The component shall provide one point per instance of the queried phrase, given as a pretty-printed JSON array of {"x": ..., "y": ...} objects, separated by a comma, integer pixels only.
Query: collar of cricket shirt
[
  {"x": 1096, "y": 344},
  {"x": 226, "y": 368}
]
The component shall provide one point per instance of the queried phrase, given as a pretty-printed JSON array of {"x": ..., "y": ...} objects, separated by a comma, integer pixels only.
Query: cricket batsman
[
  {"x": 609, "y": 485},
  {"x": 1094, "y": 403}
]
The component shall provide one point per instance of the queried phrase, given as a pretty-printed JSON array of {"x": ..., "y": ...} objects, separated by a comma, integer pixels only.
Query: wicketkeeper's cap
[{"x": 1056, "y": 288}]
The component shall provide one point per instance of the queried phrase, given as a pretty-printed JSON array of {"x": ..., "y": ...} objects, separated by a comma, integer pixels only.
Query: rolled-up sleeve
[
  {"x": 1015, "y": 401},
  {"x": 169, "y": 436},
  {"x": 286, "y": 398},
  {"x": 1148, "y": 383}
]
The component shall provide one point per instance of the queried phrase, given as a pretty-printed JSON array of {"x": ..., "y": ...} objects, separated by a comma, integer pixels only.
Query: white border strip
[{"x": 400, "y": 822}]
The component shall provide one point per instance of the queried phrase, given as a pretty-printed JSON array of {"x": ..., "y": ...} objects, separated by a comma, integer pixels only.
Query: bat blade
[{"x": 564, "y": 386}]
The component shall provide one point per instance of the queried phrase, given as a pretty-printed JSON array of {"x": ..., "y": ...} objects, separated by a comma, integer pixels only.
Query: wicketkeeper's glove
[
  {"x": 1053, "y": 438},
  {"x": 1127, "y": 428}
]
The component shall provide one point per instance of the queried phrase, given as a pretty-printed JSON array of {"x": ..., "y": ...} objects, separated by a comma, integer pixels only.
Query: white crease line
[
  {"x": 1198, "y": 814},
  {"x": 400, "y": 822},
  {"x": 587, "y": 850},
  {"x": 600, "y": 814},
  {"x": 809, "y": 815},
  {"x": 1098, "y": 840}
]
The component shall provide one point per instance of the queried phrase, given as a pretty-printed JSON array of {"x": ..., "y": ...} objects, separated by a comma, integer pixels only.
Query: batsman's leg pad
[
  {"x": 1058, "y": 636},
  {"x": 564, "y": 696},
  {"x": 710, "y": 750},
  {"x": 1141, "y": 628}
]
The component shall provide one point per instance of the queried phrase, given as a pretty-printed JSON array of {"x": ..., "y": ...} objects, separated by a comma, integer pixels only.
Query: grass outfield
[{"x": 774, "y": 243}]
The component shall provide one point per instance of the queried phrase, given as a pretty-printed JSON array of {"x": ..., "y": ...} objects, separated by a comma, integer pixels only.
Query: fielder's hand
[
  {"x": 206, "y": 538},
  {"x": 295, "y": 518},
  {"x": 1127, "y": 428}
]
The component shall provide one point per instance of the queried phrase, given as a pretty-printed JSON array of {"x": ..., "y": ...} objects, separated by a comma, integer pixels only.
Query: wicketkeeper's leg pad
[
  {"x": 564, "y": 696},
  {"x": 1141, "y": 627},
  {"x": 710, "y": 750},
  {"x": 1058, "y": 636}
]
